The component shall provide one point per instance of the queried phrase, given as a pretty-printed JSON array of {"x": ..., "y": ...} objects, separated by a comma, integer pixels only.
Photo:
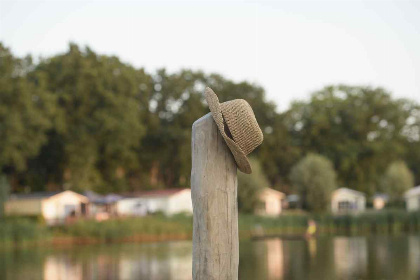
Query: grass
[
  {"x": 116, "y": 229},
  {"x": 370, "y": 222},
  {"x": 19, "y": 231}
]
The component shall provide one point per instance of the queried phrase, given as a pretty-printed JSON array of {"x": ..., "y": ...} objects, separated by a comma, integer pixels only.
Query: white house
[
  {"x": 380, "y": 200},
  {"x": 169, "y": 202},
  {"x": 54, "y": 207},
  {"x": 412, "y": 199},
  {"x": 344, "y": 200},
  {"x": 270, "y": 202}
]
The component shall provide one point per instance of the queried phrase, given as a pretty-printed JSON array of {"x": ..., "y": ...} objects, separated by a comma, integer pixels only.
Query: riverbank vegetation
[{"x": 156, "y": 228}]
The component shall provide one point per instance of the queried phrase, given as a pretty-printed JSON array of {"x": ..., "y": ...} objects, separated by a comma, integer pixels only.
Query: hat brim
[{"x": 240, "y": 157}]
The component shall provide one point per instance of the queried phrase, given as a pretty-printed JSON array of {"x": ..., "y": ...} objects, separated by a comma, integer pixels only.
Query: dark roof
[
  {"x": 102, "y": 199},
  {"x": 33, "y": 195}
]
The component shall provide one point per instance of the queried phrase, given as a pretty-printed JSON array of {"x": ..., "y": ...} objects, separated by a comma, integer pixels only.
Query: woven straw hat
[{"x": 238, "y": 126}]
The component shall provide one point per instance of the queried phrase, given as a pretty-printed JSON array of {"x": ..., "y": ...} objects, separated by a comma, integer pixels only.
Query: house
[
  {"x": 412, "y": 199},
  {"x": 344, "y": 200},
  {"x": 102, "y": 206},
  {"x": 380, "y": 200},
  {"x": 270, "y": 202},
  {"x": 169, "y": 202},
  {"x": 54, "y": 207},
  {"x": 292, "y": 202}
]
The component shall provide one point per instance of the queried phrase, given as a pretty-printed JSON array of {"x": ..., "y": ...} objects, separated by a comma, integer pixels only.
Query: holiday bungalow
[
  {"x": 168, "y": 202},
  {"x": 344, "y": 200},
  {"x": 412, "y": 199},
  {"x": 102, "y": 207},
  {"x": 270, "y": 202},
  {"x": 380, "y": 200},
  {"x": 54, "y": 207}
]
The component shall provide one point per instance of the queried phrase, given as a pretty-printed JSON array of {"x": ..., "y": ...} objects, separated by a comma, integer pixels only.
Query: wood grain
[{"x": 214, "y": 196}]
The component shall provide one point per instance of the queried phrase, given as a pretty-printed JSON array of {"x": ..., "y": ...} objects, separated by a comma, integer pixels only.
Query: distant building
[
  {"x": 169, "y": 202},
  {"x": 380, "y": 200},
  {"x": 292, "y": 202},
  {"x": 412, "y": 199},
  {"x": 102, "y": 206},
  {"x": 344, "y": 200},
  {"x": 270, "y": 202},
  {"x": 54, "y": 207}
]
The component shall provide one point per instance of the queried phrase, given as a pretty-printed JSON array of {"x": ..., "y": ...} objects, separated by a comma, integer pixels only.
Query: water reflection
[
  {"x": 275, "y": 263},
  {"x": 158, "y": 261},
  {"x": 350, "y": 257},
  {"x": 323, "y": 258}
]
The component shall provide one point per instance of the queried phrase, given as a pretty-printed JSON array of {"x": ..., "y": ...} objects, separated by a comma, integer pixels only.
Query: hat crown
[{"x": 242, "y": 124}]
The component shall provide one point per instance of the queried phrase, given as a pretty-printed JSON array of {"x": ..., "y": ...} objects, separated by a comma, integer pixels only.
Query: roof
[
  {"x": 156, "y": 193},
  {"x": 293, "y": 198},
  {"x": 33, "y": 195},
  {"x": 39, "y": 195},
  {"x": 271, "y": 191},
  {"x": 383, "y": 196},
  {"x": 102, "y": 199},
  {"x": 354, "y": 192},
  {"x": 413, "y": 192}
]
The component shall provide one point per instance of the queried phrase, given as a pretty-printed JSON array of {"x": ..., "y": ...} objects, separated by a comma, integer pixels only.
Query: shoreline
[{"x": 21, "y": 232}]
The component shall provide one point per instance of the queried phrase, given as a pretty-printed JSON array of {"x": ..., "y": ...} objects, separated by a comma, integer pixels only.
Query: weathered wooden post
[
  {"x": 221, "y": 142},
  {"x": 214, "y": 197}
]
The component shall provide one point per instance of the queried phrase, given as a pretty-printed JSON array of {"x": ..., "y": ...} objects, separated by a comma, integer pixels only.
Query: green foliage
[
  {"x": 250, "y": 186},
  {"x": 283, "y": 224},
  {"x": 315, "y": 179},
  {"x": 98, "y": 125},
  {"x": 370, "y": 222},
  {"x": 4, "y": 193},
  {"x": 130, "y": 227},
  {"x": 397, "y": 179},
  {"x": 360, "y": 129},
  {"x": 19, "y": 230},
  {"x": 82, "y": 120},
  {"x": 25, "y": 111}
]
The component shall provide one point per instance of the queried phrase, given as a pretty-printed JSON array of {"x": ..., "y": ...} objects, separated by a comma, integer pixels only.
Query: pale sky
[{"x": 291, "y": 48}]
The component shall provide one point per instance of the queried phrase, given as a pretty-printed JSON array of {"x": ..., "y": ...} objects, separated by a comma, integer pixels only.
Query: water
[{"x": 324, "y": 258}]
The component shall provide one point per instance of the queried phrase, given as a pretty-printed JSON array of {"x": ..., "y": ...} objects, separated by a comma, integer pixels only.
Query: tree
[
  {"x": 397, "y": 179},
  {"x": 99, "y": 126},
  {"x": 25, "y": 112},
  {"x": 176, "y": 102},
  {"x": 82, "y": 120},
  {"x": 314, "y": 178},
  {"x": 249, "y": 187},
  {"x": 359, "y": 128},
  {"x": 4, "y": 193}
]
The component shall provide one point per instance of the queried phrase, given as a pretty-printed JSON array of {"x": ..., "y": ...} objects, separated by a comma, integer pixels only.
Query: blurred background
[{"x": 97, "y": 100}]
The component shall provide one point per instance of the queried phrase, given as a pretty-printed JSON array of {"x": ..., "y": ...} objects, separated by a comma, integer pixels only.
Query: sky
[{"x": 290, "y": 48}]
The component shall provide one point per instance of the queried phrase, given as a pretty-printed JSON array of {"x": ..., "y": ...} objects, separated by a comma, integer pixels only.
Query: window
[{"x": 345, "y": 205}]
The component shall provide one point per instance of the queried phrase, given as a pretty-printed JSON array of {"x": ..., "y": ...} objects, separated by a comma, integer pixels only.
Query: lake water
[{"x": 325, "y": 258}]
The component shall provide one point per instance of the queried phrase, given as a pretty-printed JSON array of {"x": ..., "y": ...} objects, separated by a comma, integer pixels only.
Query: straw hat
[{"x": 238, "y": 126}]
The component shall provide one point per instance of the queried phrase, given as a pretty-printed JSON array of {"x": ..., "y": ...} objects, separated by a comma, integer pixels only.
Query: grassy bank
[
  {"x": 371, "y": 222},
  {"x": 118, "y": 229},
  {"x": 19, "y": 231}
]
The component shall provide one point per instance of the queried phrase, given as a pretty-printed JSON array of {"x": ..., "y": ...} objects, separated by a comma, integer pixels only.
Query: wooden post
[{"x": 214, "y": 196}]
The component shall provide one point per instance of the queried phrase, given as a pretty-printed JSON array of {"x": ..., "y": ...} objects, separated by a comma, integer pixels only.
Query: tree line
[{"x": 81, "y": 120}]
